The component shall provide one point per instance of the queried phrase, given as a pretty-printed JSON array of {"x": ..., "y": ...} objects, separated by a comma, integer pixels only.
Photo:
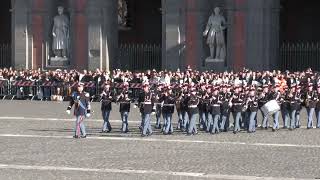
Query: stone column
[
  {"x": 262, "y": 34},
  {"x": 95, "y": 40},
  {"x": 79, "y": 35},
  {"x": 110, "y": 35},
  {"x": 173, "y": 34},
  {"x": 20, "y": 34},
  {"x": 37, "y": 33}
]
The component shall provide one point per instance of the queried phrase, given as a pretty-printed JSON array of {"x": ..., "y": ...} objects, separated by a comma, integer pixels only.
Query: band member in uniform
[
  {"x": 124, "y": 109},
  {"x": 275, "y": 95},
  {"x": 299, "y": 101},
  {"x": 146, "y": 102},
  {"x": 237, "y": 102},
  {"x": 184, "y": 108},
  {"x": 294, "y": 105},
  {"x": 106, "y": 107},
  {"x": 206, "y": 109},
  {"x": 285, "y": 107},
  {"x": 167, "y": 100},
  {"x": 178, "y": 107},
  {"x": 193, "y": 111},
  {"x": 252, "y": 103},
  {"x": 81, "y": 102},
  {"x": 158, "y": 93},
  {"x": 214, "y": 112},
  {"x": 225, "y": 107},
  {"x": 310, "y": 103},
  {"x": 203, "y": 106},
  {"x": 263, "y": 99}
]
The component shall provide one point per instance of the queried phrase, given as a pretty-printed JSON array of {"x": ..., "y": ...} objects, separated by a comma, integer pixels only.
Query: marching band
[{"x": 209, "y": 105}]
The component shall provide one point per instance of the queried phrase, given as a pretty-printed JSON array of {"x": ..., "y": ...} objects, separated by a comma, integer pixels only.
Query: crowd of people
[{"x": 205, "y": 98}]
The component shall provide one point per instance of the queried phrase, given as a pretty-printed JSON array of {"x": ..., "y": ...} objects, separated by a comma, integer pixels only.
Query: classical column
[
  {"x": 191, "y": 34},
  {"x": 79, "y": 35},
  {"x": 239, "y": 34},
  {"x": 262, "y": 34},
  {"x": 95, "y": 39},
  {"x": 37, "y": 33},
  {"x": 110, "y": 35},
  {"x": 20, "y": 34},
  {"x": 173, "y": 34}
]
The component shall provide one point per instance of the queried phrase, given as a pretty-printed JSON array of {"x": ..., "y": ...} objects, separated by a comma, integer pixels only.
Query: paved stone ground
[{"x": 36, "y": 143}]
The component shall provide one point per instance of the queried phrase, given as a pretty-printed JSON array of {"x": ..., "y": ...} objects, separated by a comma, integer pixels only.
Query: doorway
[
  {"x": 5, "y": 33},
  {"x": 140, "y": 39}
]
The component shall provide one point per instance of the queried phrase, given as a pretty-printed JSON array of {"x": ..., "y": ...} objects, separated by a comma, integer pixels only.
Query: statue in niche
[
  {"x": 60, "y": 33},
  {"x": 215, "y": 36}
]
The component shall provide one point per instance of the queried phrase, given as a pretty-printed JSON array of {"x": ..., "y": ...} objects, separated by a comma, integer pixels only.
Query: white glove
[
  {"x": 153, "y": 113},
  {"x": 135, "y": 106},
  {"x": 88, "y": 115},
  {"x": 68, "y": 112}
]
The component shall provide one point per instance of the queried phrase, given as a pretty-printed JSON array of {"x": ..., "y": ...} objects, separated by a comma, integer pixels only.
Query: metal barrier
[
  {"x": 4, "y": 88},
  {"x": 140, "y": 56},
  {"x": 300, "y": 56},
  {"x": 59, "y": 91}
]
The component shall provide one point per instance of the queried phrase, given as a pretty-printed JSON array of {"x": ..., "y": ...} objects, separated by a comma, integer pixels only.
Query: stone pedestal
[
  {"x": 59, "y": 62},
  {"x": 217, "y": 65}
]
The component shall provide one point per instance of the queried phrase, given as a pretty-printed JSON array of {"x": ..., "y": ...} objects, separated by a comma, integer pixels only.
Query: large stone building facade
[{"x": 252, "y": 34}]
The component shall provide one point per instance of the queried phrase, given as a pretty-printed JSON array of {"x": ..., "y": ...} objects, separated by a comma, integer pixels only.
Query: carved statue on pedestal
[
  {"x": 215, "y": 36},
  {"x": 60, "y": 34}
]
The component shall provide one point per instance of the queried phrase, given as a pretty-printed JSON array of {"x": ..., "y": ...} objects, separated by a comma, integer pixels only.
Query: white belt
[
  {"x": 216, "y": 105},
  {"x": 146, "y": 103},
  {"x": 237, "y": 103},
  {"x": 193, "y": 106},
  {"x": 168, "y": 104}
]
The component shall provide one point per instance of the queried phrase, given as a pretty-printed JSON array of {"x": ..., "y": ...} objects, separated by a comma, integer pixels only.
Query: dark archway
[
  {"x": 299, "y": 35},
  {"x": 143, "y": 34},
  {"x": 299, "y": 21},
  {"x": 5, "y": 33}
]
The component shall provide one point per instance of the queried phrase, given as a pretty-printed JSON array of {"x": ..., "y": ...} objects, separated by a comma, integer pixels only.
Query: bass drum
[{"x": 270, "y": 107}]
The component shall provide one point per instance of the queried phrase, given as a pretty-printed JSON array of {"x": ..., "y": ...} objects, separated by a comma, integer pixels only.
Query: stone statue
[
  {"x": 122, "y": 13},
  {"x": 215, "y": 36},
  {"x": 60, "y": 34}
]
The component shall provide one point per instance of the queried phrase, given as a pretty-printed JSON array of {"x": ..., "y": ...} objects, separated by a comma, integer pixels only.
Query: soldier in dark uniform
[
  {"x": 203, "y": 107},
  {"x": 237, "y": 101},
  {"x": 81, "y": 102},
  {"x": 146, "y": 102},
  {"x": 184, "y": 108},
  {"x": 106, "y": 107},
  {"x": 178, "y": 107},
  {"x": 167, "y": 100},
  {"x": 252, "y": 103},
  {"x": 124, "y": 109},
  {"x": 225, "y": 107},
  {"x": 158, "y": 93},
  {"x": 275, "y": 95},
  {"x": 193, "y": 111},
  {"x": 285, "y": 107},
  {"x": 294, "y": 106},
  {"x": 214, "y": 112},
  {"x": 245, "y": 111},
  {"x": 263, "y": 99},
  {"x": 299, "y": 101},
  {"x": 310, "y": 103}
]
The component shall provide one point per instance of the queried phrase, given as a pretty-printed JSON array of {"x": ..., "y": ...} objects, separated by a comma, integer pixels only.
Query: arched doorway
[{"x": 5, "y": 34}]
